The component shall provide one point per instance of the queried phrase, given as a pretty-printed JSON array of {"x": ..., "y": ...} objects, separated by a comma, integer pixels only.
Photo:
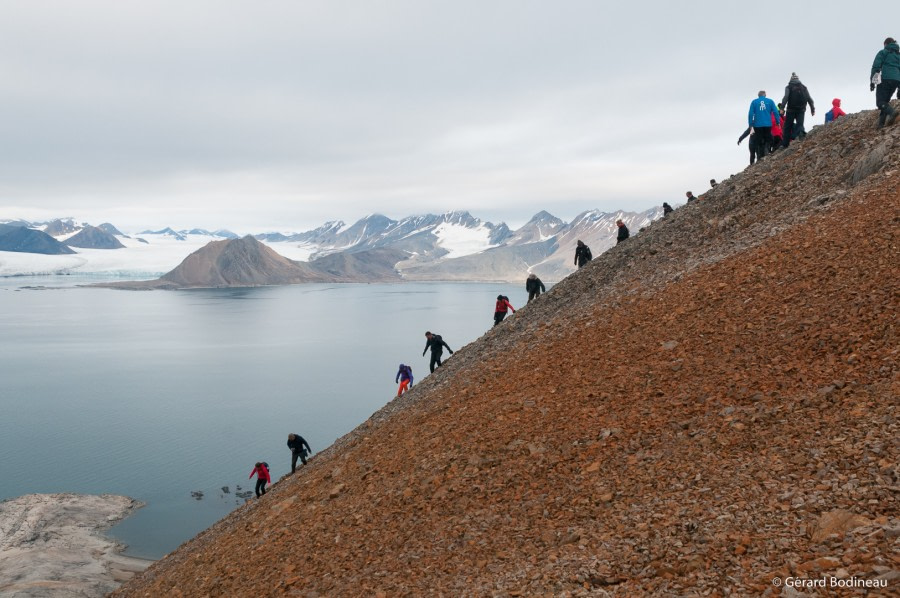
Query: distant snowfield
[
  {"x": 161, "y": 254},
  {"x": 460, "y": 240}
]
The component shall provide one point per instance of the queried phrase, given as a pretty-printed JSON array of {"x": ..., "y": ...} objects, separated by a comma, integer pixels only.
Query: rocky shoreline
[{"x": 53, "y": 545}]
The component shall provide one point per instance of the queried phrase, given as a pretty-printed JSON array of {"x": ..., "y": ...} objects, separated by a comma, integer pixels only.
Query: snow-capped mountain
[{"x": 450, "y": 246}]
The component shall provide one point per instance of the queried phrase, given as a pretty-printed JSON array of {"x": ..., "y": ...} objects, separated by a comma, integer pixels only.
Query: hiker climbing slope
[
  {"x": 261, "y": 471},
  {"x": 534, "y": 286},
  {"x": 501, "y": 308},
  {"x": 582, "y": 254},
  {"x": 887, "y": 67},
  {"x": 404, "y": 377},
  {"x": 299, "y": 448},
  {"x": 436, "y": 344},
  {"x": 796, "y": 97}
]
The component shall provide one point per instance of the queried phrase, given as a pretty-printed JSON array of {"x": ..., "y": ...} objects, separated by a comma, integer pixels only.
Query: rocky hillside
[{"x": 707, "y": 409}]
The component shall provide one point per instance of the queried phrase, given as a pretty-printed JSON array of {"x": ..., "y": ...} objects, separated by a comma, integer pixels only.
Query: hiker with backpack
[
  {"x": 796, "y": 97},
  {"x": 501, "y": 308},
  {"x": 404, "y": 377},
  {"x": 436, "y": 344},
  {"x": 886, "y": 80},
  {"x": 835, "y": 112},
  {"x": 534, "y": 286},
  {"x": 760, "y": 118},
  {"x": 299, "y": 448},
  {"x": 261, "y": 471},
  {"x": 582, "y": 254},
  {"x": 623, "y": 230}
]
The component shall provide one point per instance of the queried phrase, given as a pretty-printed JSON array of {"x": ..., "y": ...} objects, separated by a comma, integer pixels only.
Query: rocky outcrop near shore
[
  {"x": 51, "y": 545},
  {"x": 708, "y": 409}
]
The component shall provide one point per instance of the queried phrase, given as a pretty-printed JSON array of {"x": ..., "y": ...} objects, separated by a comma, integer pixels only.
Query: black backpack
[{"x": 797, "y": 97}]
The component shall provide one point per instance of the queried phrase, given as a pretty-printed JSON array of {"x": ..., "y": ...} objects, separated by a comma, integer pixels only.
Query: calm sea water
[{"x": 157, "y": 394}]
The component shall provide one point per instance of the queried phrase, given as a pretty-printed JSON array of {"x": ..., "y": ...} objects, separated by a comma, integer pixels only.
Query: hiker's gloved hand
[
  {"x": 812, "y": 111},
  {"x": 871, "y": 87}
]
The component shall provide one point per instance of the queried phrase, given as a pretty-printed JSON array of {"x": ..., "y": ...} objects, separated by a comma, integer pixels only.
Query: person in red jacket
[
  {"x": 261, "y": 470},
  {"x": 835, "y": 112},
  {"x": 501, "y": 308},
  {"x": 777, "y": 134}
]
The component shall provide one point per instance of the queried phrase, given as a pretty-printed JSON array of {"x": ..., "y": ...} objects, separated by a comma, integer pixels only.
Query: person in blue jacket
[{"x": 762, "y": 109}]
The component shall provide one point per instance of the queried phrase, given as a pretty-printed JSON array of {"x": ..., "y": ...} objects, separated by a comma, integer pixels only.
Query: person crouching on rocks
[
  {"x": 299, "y": 448},
  {"x": 261, "y": 471},
  {"x": 404, "y": 377}
]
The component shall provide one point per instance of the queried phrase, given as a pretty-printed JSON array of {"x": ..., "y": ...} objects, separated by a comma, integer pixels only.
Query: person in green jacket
[{"x": 887, "y": 65}]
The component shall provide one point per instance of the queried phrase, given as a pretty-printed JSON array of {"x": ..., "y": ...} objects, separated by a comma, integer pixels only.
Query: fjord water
[{"x": 157, "y": 394}]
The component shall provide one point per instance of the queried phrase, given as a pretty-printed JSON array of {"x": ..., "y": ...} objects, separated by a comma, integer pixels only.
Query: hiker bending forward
[
  {"x": 501, "y": 308},
  {"x": 299, "y": 448},
  {"x": 404, "y": 377},
  {"x": 261, "y": 471},
  {"x": 436, "y": 344}
]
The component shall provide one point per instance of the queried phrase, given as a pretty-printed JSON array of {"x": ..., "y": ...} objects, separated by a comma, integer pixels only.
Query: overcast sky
[{"x": 280, "y": 115}]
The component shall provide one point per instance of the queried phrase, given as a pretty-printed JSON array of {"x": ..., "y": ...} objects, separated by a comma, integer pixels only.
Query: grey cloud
[{"x": 289, "y": 113}]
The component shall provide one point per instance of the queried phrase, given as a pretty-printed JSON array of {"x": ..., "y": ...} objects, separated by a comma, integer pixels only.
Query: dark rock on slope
[
  {"x": 28, "y": 240},
  {"x": 92, "y": 237},
  {"x": 704, "y": 408}
]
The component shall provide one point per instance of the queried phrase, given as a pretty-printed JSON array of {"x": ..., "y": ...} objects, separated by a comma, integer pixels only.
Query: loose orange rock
[{"x": 771, "y": 286}]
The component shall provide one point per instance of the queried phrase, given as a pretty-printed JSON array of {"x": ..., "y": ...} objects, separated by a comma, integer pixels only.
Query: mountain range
[{"x": 450, "y": 246}]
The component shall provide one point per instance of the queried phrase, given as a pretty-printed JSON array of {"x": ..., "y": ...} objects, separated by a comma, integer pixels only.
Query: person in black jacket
[
  {"x": 796, "y": 97},
  {"x": 582, "y": 254},
  {"x": 436, "y": 344},
  {"x": 299, "y": 448},
  {"x": 623, "y": 232},
  {"x": 534, "y": 286}
]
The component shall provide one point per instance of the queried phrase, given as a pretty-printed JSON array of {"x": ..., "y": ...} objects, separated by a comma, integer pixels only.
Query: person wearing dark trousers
[
  {"x": 501, "y": 308},
  {"x": 436, "y": 344},
  {"x": 534, "y": 286},
  {"x": 623, "y": 231},
  {"x": 760, "y": 118},
  {"x": 796, "y": 97},
  {"x": 887, "y": 66},
  {"x": 299, "y": 448},
  {"x": 261, "y": 471},
  {"x": 582, "y": 254},
  {"x": 751, "y": 144}
]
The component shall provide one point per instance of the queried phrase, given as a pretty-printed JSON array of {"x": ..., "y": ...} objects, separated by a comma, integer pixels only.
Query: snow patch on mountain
[{"x": 459, "y": 240}]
